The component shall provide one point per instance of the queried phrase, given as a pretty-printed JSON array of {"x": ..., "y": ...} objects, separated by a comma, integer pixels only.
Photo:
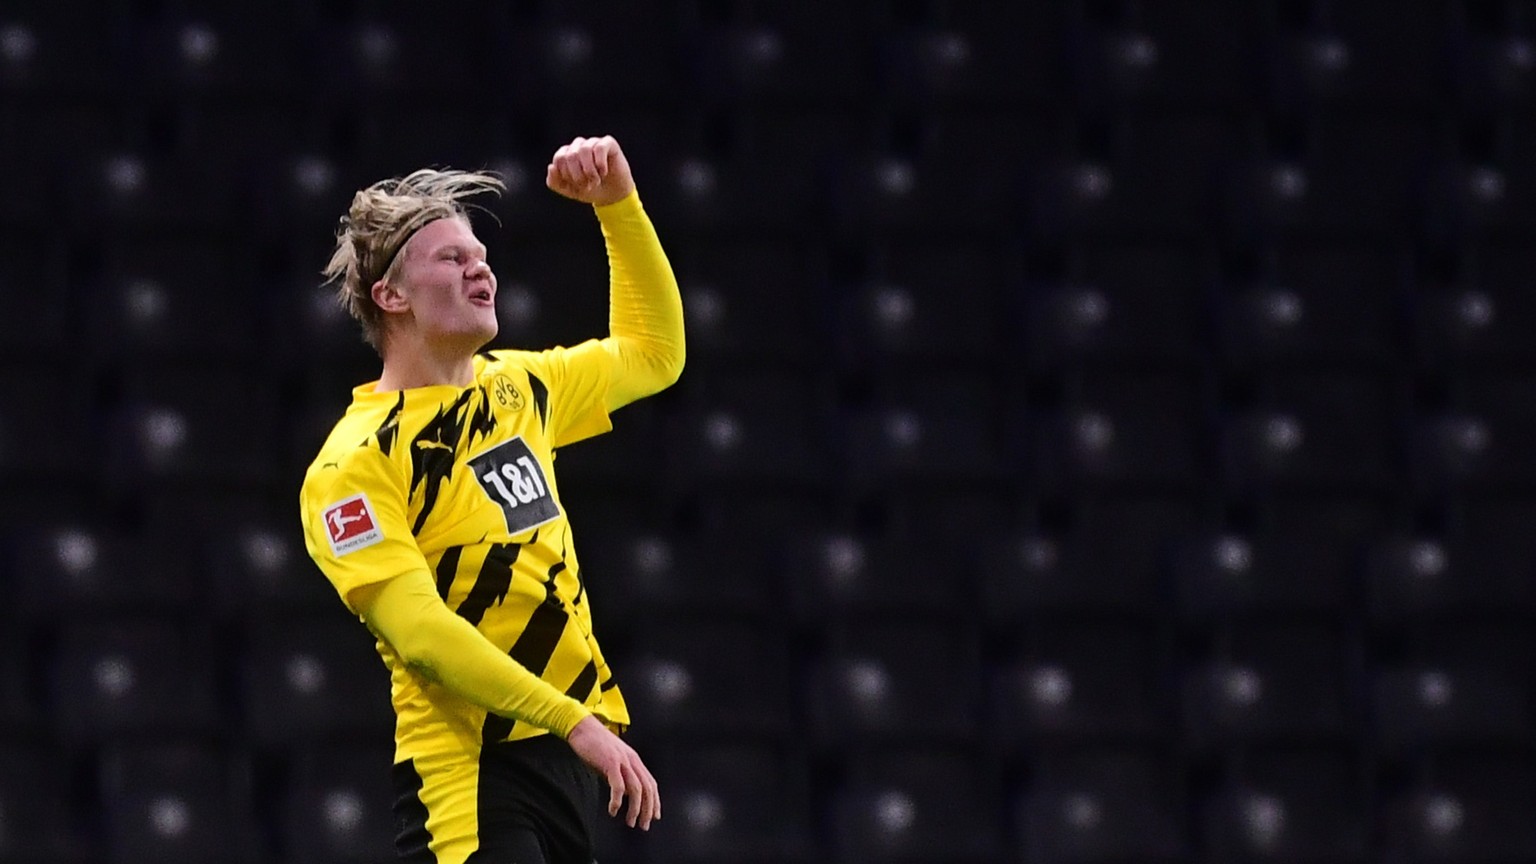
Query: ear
[{"x": 389, "y": 297}]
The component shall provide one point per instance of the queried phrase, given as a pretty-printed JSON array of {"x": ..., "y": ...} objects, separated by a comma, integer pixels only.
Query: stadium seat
[
  {"x": 732, "y": 802},
  {"x": 788, "y": 61},
  {"x": 1432, "y": 706},
  {"x": 312, "y": 679},
  {"x": 129, "y": 679},
  {"x": 1489, "y": 57},
  {"x": 1314, "y": 304},
  {"x": 1110, "y": 558},
  {"x": 632, "y": 454},
  {"x": 1124, "y": 302},
  {"x": 1464, "y": 808},
  {"x": 551, "y": 293},
  {"x": 1151, "y": 56},
  {"x": 1289, "y": 806},
  {"x": 1477, "y": 320},
  {"x": 881, "y": 193},
  {"x": 133, "y": 192},
  {"x": 260, "y": 566},
  {"x": 1427, "y": 578},
  {"x": 934, "y": 431},
  {"x": 212, "y": 54},
  {"x": 834, "y": 574},
  {"x": 179, "y": 803},
  {"x": 706, "y": 195},
  {"x": 1473, "y": 444},
  {"x": 1313, "y": 431},
  {"x": 1102, "y": 804},
  {"x": 1474, "y": 196},
  {"x": 1127, "y": 432},
  {"x": 156, "y": 300},
  {"x": 81, "y": 569},
  {"x": 1351, "y": 181},
  {"x": 890, "y": 681},
  {"x": 768, "y": 429},
  {"x": 368, "y": 56},
  {"x": 645, "y": 573},
  {"x": 1013, "y": 57},
  {"x": 752, "y": 303},
  {"x": 194, "y": 426},
  {"x": 575, "y": 54},
  {"x": 926, "y": 308},
  {"x": 916, "y": 805},
  {"x": 1278, "y": 684},
  {"x": 337, "y": 806},
  {"x": 1081, "y": 682},
  {"x": 48, "y": 41},
  {"x": 970, "y": 515},
  {"x": 1273, "y": 573},
  {"x": 702, "y": 681},
  {"x": 1094, "y": 195}
]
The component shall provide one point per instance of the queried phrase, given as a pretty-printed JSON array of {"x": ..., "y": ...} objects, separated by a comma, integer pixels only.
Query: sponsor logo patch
[
  {"x": 512, "y": 477},
  {"x": 350, "y": 525}
]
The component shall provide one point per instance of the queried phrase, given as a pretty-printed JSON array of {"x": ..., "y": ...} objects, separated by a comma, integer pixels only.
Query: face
[{"x": 447, "y": 287}]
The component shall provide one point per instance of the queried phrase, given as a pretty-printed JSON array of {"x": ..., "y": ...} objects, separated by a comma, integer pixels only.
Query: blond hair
[{"x": 377, "y": 226}]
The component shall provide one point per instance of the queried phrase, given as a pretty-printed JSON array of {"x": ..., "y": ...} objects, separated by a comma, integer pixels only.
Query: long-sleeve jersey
[{"x": 436, "y": 515}]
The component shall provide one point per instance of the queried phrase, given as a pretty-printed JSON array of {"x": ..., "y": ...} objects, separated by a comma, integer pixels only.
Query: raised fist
[{"x": 590, "y": 170}]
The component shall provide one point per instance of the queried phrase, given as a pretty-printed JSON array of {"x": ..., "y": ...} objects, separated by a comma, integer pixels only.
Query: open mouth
[{"x": 481, "y": 297}]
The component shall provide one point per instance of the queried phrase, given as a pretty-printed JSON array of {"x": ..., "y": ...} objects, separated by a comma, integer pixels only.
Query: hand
[
  {"x": 591, "y": 170},
  {"x": 611, "y": 758}
]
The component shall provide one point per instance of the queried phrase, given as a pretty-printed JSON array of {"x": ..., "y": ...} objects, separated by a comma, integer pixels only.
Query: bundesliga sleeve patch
[{"x": 351, "y": 526}]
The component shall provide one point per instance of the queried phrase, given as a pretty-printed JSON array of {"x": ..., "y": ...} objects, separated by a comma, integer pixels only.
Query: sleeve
[
  {"x": 444, "y": 648},
  {"x": 355, "y": 523},
  {"x": 644, "y": 350}
]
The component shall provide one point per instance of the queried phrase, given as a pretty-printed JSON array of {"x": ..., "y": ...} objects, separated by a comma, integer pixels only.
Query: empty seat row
[
  {"x": 285, "y": 682},
  {"x": 183, "y": 802},
  {"x": 937, "y": 555}
]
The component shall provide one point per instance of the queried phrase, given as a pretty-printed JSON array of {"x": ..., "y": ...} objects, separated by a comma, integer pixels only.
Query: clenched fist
[{"x": 591, "y": 170}]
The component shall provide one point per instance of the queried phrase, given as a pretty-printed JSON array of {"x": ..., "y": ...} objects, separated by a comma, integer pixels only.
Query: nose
[{"x": 480, "y": 270}]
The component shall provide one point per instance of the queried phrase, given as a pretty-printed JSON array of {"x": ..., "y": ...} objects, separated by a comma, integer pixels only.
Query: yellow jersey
[{"x": 459, "y": 481}]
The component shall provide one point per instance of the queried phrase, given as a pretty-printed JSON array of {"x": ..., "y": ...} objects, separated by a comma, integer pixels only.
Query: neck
[{"x": 416, "y": 365}]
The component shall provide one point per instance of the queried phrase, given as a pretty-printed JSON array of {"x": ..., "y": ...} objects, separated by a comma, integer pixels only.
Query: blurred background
[{"x": 1107, "y": 430}]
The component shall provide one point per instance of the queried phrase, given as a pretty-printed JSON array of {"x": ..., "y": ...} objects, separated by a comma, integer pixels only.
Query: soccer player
[{"x": 434, "y": 511}]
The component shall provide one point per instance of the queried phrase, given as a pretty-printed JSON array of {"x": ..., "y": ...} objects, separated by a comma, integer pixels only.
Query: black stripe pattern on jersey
[
  {"x": 491, "y": 583},
  {"x": 581, "y": 688},
  {"x": 447, "y": 568},
  {"x": 389, "y": 431},
  {"x": 540, "y": 399},
  {"x": 435, "y": 446},
  {"x": 534, "y": 647}
]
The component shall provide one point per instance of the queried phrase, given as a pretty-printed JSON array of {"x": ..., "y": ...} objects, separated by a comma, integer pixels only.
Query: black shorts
[{"x": 531, "y": 801}]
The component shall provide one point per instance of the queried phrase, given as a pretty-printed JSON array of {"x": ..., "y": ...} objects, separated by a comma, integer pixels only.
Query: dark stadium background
[{"x": 1106, "y": 435}]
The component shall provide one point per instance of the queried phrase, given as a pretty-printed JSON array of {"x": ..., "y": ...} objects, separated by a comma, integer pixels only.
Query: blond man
[{"x": 434, "y": 511}]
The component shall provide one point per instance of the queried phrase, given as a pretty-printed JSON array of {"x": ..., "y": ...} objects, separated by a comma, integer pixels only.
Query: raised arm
[{"x": 645, "y": 313}]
